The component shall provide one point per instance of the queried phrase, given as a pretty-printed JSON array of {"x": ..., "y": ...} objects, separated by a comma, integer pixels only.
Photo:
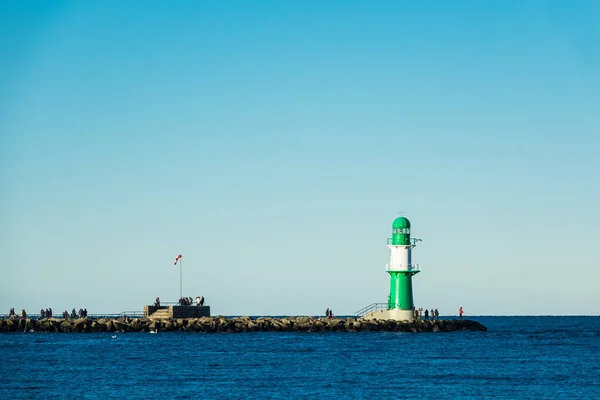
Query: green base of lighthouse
[{"x": 401, "y": 293}]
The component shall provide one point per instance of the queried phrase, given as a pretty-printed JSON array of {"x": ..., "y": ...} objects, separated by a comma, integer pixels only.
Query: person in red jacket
[{"x": 460, "y": 312}]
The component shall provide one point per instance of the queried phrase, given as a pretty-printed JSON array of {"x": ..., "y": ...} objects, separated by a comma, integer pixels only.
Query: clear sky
[{"x": 273, "y": 143}]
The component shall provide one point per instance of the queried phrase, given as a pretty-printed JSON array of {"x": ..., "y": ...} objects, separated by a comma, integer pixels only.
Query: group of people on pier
[
  {"x": 185, "y": 301},
  {"x": 188, "y": 301},
  {"x": 82, "y": 313},
  {"x": 12, "y": 315},
  {"x": 433, "y": 314},
  {"x": 47, "y": 313},
  {"x": 328, "y": 313}
]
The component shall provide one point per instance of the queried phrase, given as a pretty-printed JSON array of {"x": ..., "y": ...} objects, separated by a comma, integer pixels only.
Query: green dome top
[{"x": 400, "y": 223}]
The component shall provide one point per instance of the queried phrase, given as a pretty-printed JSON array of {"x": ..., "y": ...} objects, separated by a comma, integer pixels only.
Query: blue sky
[{"x": 273, "y": 143}]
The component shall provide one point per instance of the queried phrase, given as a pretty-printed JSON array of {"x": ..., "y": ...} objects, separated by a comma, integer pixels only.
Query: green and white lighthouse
[
  {"x": 400, "y": 305},
  {"x": 401, "y": 270}
]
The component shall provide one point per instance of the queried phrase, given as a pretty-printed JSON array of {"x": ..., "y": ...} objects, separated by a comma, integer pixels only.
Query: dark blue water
[{"x": 519, "y": 357}]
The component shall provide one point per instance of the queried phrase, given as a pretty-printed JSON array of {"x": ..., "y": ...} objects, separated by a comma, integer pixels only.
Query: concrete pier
[{"x": 234, "y": 325}]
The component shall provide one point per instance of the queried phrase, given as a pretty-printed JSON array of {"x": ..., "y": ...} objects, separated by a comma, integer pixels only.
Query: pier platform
[{"x": 166, "y": 312}]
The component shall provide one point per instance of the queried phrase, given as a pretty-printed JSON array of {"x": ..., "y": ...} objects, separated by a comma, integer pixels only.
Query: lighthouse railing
[
  {"x": 403, "y": 267},
  {"x": 413, "y": 242}
]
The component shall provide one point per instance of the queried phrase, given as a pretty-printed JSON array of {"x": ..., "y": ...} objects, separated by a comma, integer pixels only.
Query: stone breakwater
[{"x": 234, "y": 325}]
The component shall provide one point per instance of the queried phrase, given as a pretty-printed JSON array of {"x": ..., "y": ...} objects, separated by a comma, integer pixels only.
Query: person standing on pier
[{"x": 460, "y": 312}]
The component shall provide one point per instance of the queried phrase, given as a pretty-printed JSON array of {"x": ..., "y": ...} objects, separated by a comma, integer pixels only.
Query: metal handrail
[
  {"x": 133, "y": 314},
  {"x": 91, "y": 316},
  {"x": 371, "y": 307}
]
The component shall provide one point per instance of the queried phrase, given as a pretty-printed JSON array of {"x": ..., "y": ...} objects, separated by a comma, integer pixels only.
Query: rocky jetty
[{"x": 234, "y": 325}]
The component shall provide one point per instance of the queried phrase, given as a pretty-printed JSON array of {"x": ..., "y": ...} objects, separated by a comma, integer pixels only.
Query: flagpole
[{"x": 180, "y": 280}]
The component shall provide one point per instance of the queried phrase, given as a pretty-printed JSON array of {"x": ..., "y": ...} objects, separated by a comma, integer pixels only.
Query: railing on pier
[
  {"x": 170, "y": 303},
  {"x": 131, "y": 314},
  {"x": 370, "y": 308}
]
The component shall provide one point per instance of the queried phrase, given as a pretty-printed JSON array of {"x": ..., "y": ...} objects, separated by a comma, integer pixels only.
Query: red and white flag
[{"x": 177, "y": 259}]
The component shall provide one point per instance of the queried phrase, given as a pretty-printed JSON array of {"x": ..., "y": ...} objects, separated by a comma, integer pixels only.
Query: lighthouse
[
  {"x": 401, "y": 269},
  {"x": 400, "y": 305}
]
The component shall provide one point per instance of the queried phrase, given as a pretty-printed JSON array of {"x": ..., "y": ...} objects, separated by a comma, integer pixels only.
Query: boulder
[
  {"x": 120, "y": 325},
  {"x": 109, "y": 326},
  {"x": 333, "y": 324},
  {"x": 305, "y": 320},
  {"x": 172, "y": 326},
  {"x": 134, "y": 325},
  {"x": 44, "y": 326},
  {"x": 80, "y": 324},
  {"x": 252, "y": 326},
  {"x": 349, "y": 325},
  {"x": 65, "y": 326}
]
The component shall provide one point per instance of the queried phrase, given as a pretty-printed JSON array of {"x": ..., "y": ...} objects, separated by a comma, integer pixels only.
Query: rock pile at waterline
[{"x": 234, "y": 325}]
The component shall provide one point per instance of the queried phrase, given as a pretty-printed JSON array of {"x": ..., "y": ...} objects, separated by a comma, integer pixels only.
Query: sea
[{"x": 537, "y": 357}]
